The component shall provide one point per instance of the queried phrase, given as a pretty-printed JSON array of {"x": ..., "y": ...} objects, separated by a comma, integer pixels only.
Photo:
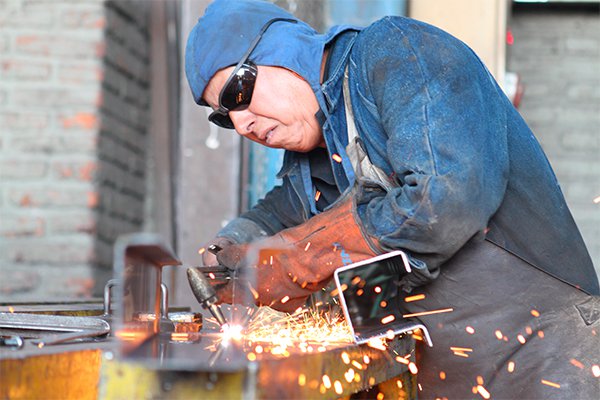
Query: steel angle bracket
[{"x": 138, "y": 262}]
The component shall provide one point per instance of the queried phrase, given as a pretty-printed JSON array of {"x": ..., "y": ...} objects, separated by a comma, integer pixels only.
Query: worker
[{"x": 397, "y": 137}]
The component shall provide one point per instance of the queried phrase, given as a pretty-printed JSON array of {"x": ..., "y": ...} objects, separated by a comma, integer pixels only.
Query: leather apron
[{"x": 514, "y": 332}]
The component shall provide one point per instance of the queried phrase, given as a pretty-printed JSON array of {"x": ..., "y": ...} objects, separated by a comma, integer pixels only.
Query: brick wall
[
  {"x": 557, "y": 54},
  {"x": 123, "y": 137},
  {"x": 73, "y": 75}
]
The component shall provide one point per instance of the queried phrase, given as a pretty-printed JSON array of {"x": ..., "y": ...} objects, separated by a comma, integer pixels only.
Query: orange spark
[
  {"x": 359, "y": 292},
  {"x": 528, "y": 330},
  {"x": 498, "y": 334},
  {"x": 335, "y": 291},
  {"x": 357, "y": 364},
  {"x": 463, "y": 349},
  {"x": 414, "y": 298},
  {"x": 541, "y": 334},
  {"x": 251, "y": 357},
  {"x": 211, "y": 275},
  {"x": 597, "y": 200},
  {"x": 402, "y": 360},
  {"x": 596, "y": 370},
  {"x": 349, "y": 375},
  {"x": 180, "y": 336},
  {"x": 577, "y": 363},
  {"x": 366, "y": 359},
  {"x": 399, "y": 384},
  {"x": 521, "y": 339},
  {"x": 355, "y": 280},
  {"x": 480, "y": 380},
  {"x": 470, "y": 329},
  {"x": 254, "y": 292},
  {"x": 388, "y": 319},
  {"x": 377, "y": 343},
  {"x": 383, "y": 304},
  {"x": 511, "y": 366},
  {"x": 380, "y": 396},
  {"x": 545, "y": 382},
  {"x": 317, "y": 195},
  {"x": 201, "y": 250},
  {"x": 483, "y": 392},
  {"x": 377, "y": 289},
  {"x": 345, "y": 358},
  {"x": 326, "y": 382},
  {"x": 301, "y": 379},
  {"x": 11, "y": 309},
  {"x": 338, "y": 387},
  {"x": 285, "y": 299},
  {"x": 535, "y": 313},
  {"x": 259, "y": 349},
  {"x": 442, "y": 375},
  {"x": 336, "y": 157},
  {"x": 412, "y": 367},
  {"x": 428, "y": 312}
]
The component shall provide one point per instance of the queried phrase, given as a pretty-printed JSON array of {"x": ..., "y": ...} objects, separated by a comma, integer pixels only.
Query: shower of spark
[
  {"x": 280, "y": 334},
  {"x": 306, "y": 330}
]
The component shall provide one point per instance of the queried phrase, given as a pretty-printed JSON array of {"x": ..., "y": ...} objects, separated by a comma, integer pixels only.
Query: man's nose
[{"x": 243, "y": 120}]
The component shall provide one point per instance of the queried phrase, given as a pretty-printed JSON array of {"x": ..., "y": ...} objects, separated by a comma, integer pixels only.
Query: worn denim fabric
[{"x": 431, "y": 116}]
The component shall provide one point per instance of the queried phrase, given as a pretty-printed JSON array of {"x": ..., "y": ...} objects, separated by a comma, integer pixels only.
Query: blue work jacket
[{"x": 465, "y": 164}]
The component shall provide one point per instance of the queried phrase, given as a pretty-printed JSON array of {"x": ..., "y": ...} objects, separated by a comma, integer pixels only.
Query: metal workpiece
[
  {"x": 138, "y": 262},
  {"x": 108, "y": 296},
  {"x": 53, "y": 329},
  {"x": 205, "y": 294},
  {"x": 206, "y": 367}
]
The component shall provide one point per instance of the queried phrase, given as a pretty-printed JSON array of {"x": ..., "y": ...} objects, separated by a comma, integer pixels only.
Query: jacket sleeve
[
  {"x": 441, "y": 118},
  {"x": 279, "y": 209}
]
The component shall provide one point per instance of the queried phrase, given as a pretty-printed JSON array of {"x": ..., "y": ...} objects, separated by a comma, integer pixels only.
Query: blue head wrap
[{"x": 224, "y": 33}]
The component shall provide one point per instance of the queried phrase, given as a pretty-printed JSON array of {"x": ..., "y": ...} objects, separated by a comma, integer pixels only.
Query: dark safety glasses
[{"x": 236, "y": 94}]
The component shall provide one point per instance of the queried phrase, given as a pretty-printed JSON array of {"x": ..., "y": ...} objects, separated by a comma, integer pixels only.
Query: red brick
[
  {"x": 20, "y": 225},
  {"x": 84, "y": 120},
  {"x": 67, "y": 222},
  {"x": 75, "y": 170},
  {"x": 18, "y": 169},
  {"x": 74, "y": 142},
  {"x": 50, "y": 251},
  {"x": 24, "y": 121},
  {"x": 50, "y": 196},
  {"x": 25, "y": 70},
  {"x": 92, "y": 199},
  {"x": 45, "y": 45},
  {"x": 19, "y": 282},
  {"x": 3, "y": 43},
  {"x": 56, "y": 97},
  {"x": 80, "y": 73},
  {"x": 83, "y": 18}
]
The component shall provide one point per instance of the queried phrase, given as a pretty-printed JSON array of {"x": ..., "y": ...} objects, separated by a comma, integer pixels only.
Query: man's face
[{"x": 281, "y": 114}]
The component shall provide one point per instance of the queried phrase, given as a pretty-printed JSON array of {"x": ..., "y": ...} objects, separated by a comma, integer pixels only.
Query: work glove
[
  {"x": 209, "y": 258},
  {"x": 290, "y": 265}
]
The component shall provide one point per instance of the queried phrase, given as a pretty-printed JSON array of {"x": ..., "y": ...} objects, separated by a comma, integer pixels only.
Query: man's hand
[{"x": 209, "y": 258}]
